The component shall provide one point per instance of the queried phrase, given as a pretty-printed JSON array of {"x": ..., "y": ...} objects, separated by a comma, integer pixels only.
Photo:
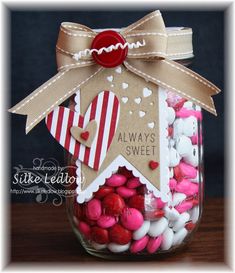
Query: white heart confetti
[
  {"x": 147, "y": 92},
  {"x": 151, "y": 125},
  {"x": 125, "y": 99},
  {"x": 110, "y": 78},
  {"x": 118, "y": 70},
  {"x": 125, "y": 85},
  {"x": 137, "y": 100},
  {"x": 141, "y": 114}
]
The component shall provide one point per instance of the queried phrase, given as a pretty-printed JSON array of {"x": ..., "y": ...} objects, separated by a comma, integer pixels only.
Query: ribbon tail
[
  {"x": 177, "y": 78},
  {"x": 52, "y": 93}
]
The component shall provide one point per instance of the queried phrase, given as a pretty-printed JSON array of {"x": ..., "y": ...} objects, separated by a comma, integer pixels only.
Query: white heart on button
[
  {"x": 124, "y": 85},
  {"x": 124, "y": 99},
  {"x": 118, "y": 70},
  {"x": 147, "y": 92},
  {"x": 110, "y": 78},
  {"x": 141, "y": 114},
  {"x": 151, "y": 125},
  {"x": 137, "y": 100}
]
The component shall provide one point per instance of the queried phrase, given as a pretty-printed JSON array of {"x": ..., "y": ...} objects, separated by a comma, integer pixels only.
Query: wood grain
[{"x": 42, "y": 233}]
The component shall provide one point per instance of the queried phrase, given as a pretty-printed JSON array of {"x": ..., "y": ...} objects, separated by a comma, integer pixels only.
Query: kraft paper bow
[{"x": 149, "y": 62}]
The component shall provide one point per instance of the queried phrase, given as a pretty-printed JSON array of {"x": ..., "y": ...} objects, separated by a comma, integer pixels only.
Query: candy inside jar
[{"x": 124, "y": 218}]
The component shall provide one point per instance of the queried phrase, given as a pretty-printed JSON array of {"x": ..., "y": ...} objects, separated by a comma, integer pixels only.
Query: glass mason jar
[{"x": 124, "y": 219}]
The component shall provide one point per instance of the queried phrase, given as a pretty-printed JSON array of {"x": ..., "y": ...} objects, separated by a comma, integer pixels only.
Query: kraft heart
[
  {"x": 104, "y": 110},
  {"x": 86, "y": 136}
]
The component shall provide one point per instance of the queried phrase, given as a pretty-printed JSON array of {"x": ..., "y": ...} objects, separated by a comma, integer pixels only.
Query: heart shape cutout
[
  {"x": 104, "y": 110},
  {"x": 147, "y": 92}
]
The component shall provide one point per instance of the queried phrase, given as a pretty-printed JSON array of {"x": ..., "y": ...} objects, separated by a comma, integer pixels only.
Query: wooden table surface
[{"x": 42, "y": 233}]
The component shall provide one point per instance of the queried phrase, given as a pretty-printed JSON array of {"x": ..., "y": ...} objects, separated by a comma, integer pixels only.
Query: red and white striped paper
[{"x": 104, "y": 109}]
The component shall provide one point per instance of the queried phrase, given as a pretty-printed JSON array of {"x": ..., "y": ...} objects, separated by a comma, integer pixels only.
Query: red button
[{"x": 106, "y": 39}]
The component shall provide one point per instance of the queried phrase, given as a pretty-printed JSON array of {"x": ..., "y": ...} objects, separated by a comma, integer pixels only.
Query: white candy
[
  {"x": 98, "y": 246},
  {"x": 177, "y": 128},
  {"x": 171, "y": 214},
  {"x": 142, "y": 231},
  {"x": 158, "y": 227},
  {"x": 177, "y": 198},
  {"x": 184, "y": 146},
  {"x": 185, "y": 126},
  {"x": 174, "y": 157},
  {"x": 190, "y": 126},
  {"x": 184, "y": 217},
  {"x": 171, "y": 224},
  {"x": 167, "y": 239},
  {"x": 194, "y": 214},
  {"x": 170, "y": 115},
  {"x": 179, "y": 236},
  {"x": 116, "y": 248},
  {"x": 192, "y": 158},
  {"x": 171, "y": 142}
]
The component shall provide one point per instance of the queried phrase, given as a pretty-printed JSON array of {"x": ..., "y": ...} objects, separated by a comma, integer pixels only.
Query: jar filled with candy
[
  {"x": 132, "y": 132},
  {"x": 123, "y": 217}
]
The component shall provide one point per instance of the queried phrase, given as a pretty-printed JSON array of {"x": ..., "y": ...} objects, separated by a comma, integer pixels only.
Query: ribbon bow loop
[{"x": 151, "y": 60}]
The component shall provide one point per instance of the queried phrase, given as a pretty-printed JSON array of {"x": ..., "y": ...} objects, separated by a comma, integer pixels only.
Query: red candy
[
  {"x": 99, "y": 235},
  {"x": 137, "y": 202},
  {"x": 103, "y": 191},
  {"x": 190, "y": 226},
  {"x": 119, "y": 235},
  {"x": 151, "y": 215},
  {"x": 84, "y": 229},
  {"x": 113, "y": 204},
  {"x": 178, "y": 174}
]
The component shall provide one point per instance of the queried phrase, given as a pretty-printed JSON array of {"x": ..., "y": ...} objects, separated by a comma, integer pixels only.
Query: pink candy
[
  {"x": 172, "y": 184},
  {"x": 184, "y": 206},
  {"x": 184, "y": 170},
  {"x": 93, "y": 209},
  {"x": 106, "y": 221},
  {"x": 125, "y": 192},
  {"x": 187, "y": 187},
  {"x": 133, "y": 183},
  {"x": 154, "y": 244},
  {"x": 116, "y": 180},
  {"x": 139, "y": 245},
  {"x": 185, "y": 113},
  {"x": 132, "y": 219}
]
